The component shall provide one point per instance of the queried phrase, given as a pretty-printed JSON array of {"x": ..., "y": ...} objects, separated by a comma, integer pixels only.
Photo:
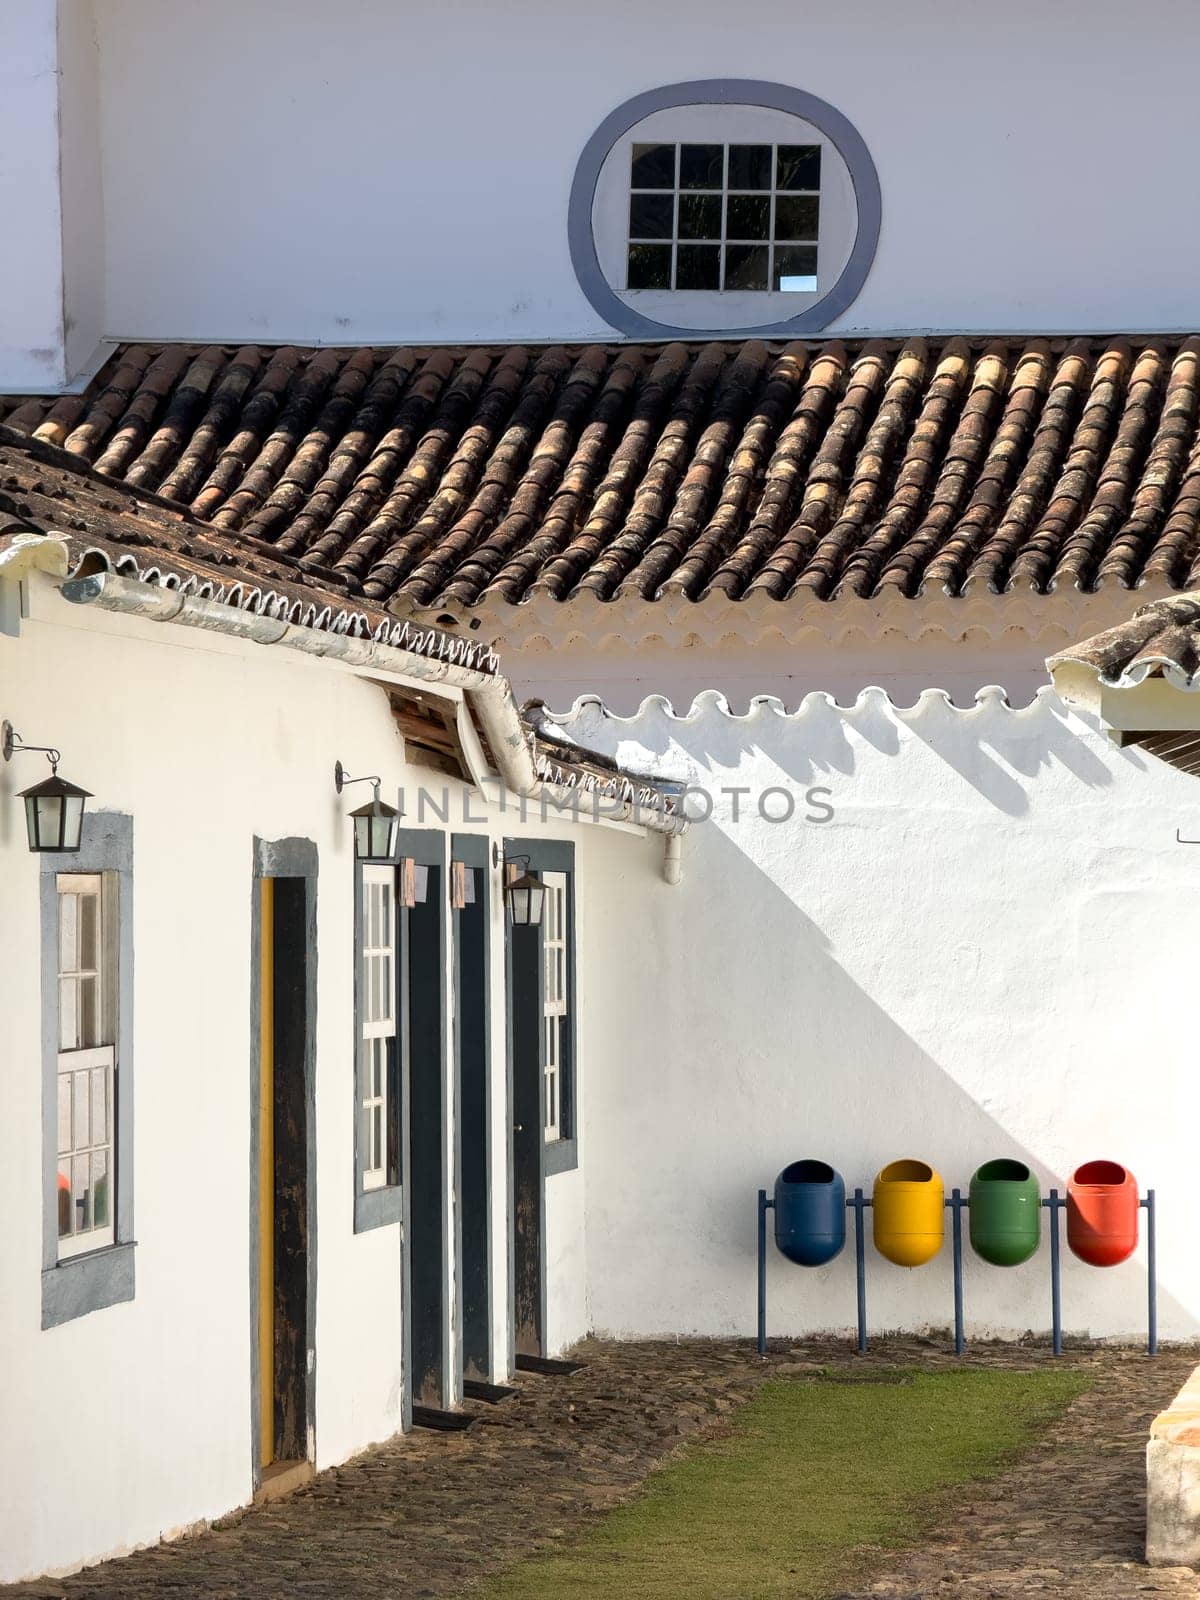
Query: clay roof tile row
[{"x": 454, "y": 477}]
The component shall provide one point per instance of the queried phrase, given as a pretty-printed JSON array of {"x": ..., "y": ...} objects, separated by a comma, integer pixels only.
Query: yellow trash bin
[{"x": 909, "y": 1212}]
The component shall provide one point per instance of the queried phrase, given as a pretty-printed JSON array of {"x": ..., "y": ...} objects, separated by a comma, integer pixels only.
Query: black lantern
[
  {"x": 525, "y": 896},
  {"x": 54, "y": 808},
  {"x": 374, "y": 824},
  {"x": 375, "y": 830}
]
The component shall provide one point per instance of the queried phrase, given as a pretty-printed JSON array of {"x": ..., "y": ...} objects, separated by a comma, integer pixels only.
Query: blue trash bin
[{"x": 810, "y": 1213}]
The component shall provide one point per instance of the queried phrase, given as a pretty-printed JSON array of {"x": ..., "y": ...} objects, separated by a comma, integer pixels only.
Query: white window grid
[
  {"x": 786, "y": 248},
  {"x": 87, "y": 1062},
  {"x": 377, "y": 1018},
  {"x": 555, "y": 997}
]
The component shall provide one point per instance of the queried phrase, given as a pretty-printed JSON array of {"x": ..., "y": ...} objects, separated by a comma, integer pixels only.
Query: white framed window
[
  {"x": 723, "y": 206},
  {"x": 377, "y": 1031},
  {"x": 555, "y": 999},
  {"x": 86, "y": 1075},
  {"x": 723, "y": 216}
]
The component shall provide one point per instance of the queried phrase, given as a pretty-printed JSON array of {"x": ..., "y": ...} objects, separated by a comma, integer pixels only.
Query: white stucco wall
[
  {"x": 52, "y": 307},
  {"x": 988, "y": 951},
  {"x": 392, "y": 172},
  {"x": 31, "y": 282},
  {"x": 206, "y": 742}
]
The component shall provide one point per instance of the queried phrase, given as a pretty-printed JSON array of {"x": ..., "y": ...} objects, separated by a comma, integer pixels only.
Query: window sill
[
  {"x": 561, "y": 1155},
  {"x": 378, "y": 1208},
  {"x": 86, "y": 1283}
]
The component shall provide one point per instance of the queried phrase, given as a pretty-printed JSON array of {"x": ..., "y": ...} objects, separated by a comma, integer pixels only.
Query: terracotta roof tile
[
  {"x": 1161, "y": 639},
  {"x": 449, "y": 477},
  {"x": 50, "y": 498},
  {"x": 107, "y": 526}
]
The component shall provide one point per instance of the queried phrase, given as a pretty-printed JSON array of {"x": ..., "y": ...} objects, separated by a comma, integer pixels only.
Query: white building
[{"x": 771, "y": 423}]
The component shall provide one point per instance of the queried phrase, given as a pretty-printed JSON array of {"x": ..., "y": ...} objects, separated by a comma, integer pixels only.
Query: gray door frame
[{"x": 284, "y": 858}]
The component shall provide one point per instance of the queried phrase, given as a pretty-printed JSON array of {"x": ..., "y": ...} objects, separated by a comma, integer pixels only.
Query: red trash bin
[{"x": 1102, "y": 1213}]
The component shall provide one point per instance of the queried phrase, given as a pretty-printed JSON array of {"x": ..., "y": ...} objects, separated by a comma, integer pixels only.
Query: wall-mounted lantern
[
  {"x": 375, "y": 823},
  {"x": 524, "y": 896},
  {"x": 53, "y": 808}
]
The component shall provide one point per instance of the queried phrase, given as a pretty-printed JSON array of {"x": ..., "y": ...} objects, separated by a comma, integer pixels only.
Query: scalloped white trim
[{"x": 930, "y": 703}]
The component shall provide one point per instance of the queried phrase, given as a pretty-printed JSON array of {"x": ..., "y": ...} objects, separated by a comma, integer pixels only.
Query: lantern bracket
[
  {"x": 12, "y": 744},
  {"x": 341, "y": 778}
]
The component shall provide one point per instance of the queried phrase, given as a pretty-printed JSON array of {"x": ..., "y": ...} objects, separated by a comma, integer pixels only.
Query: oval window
[{"x": 723, "y": 207}]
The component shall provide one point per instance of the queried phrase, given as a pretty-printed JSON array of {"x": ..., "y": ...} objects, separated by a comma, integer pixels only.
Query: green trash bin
[{"x": 1006, "y": 1213}]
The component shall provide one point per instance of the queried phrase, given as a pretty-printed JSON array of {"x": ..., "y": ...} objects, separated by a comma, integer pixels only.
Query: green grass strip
[{"x": 810, "y": 1473}]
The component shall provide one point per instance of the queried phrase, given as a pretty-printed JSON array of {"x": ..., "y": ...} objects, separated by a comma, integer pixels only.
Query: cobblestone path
[
  {"x": 425, "y": 1515},
  {"x": 1067, "y": 1521}
]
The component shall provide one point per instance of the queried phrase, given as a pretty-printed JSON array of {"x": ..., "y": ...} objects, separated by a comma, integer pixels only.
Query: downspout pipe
[{"x": 672, "y": 868}]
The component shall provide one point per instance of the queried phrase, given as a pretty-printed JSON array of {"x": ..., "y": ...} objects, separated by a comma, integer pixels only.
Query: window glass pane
[
  {"x": 653, "y": 166},
  {"x": 796, "y": 267},
  {"x": 79, "y": 1098},
  {"x": 100, "y": 1217},
  {"x": 79, "y": 1194},
  {"x": 796, "y": 216},
  {"x": 798, "y": 166},
  {"x": 99, "y": 1076},
  {"x": 68, "y": 932},
  {"x": 749, "y": 166},
  {"x": 365, "y": 1139},
  {"x": 749, "y": 216},
  {"x": 89, "y": 932},
  {"x": 649, "y": 266},
  {"x": 651, "y": 216},
  {"x": 65, "y": 1217},
  {"x": 385, "y": 915},
  {"x": 699, "y": 267},
  {"x": 89, "y": 1011},
  {"x": 746, "y": 266},
  {"x": 700, "y": 216},
  {"x": 701, "y": 166},
  {"x": 377, "y": 1136},
  {"x": 68, "y": 1014},
  {"x": 64, "y": 1112}
]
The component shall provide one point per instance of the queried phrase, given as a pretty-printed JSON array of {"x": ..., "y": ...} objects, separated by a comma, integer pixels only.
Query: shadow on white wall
[{"x": 986, "y": 952}]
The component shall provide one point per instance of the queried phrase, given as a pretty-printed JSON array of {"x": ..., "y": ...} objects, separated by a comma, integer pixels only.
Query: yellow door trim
[{"x": 266, "y": 1174}]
